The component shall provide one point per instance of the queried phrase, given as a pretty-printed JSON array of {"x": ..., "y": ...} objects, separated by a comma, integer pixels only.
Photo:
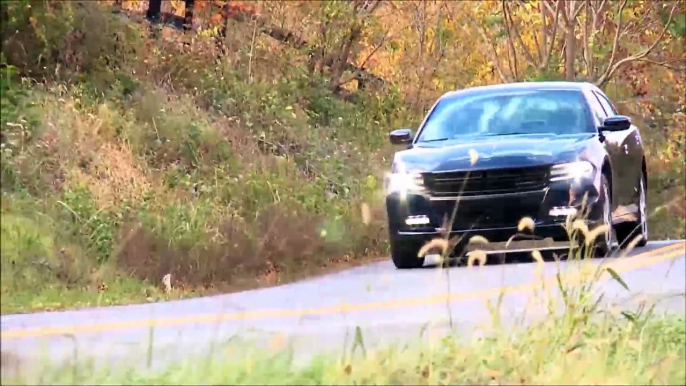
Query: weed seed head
[
  {"x": 477, "y": 255},
  {"x": 633, "y": 243},
  {"x": 438, "y": 243},
  {"x": 592, "y": 235},
  {"x": 580, "y": 225},
  {"x": 478, "y": 239},
  {"x": 526, "y": 223}
]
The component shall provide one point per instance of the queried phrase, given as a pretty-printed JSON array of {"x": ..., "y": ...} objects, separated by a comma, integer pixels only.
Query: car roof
[{"x": 521, "y": 86}]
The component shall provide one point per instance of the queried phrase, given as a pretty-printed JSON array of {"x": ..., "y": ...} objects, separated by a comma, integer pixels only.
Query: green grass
[
  {"x": 609, "y": 348},
  {"x": 606, "y": 352}
]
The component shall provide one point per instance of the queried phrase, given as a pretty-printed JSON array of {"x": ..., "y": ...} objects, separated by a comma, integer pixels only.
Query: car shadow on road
[{"x": 503, "y": 259}]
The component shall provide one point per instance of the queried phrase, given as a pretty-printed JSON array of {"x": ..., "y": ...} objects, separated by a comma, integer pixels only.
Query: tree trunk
[
  {"x": 340, "y": 62},
  {"x": 544, "y": 35},
  {"x": 154, "y": 10},
  {"x": 188, "y": 17},
  {"x": 570, "y": 52},
  {"x": 4, "y": 14}
]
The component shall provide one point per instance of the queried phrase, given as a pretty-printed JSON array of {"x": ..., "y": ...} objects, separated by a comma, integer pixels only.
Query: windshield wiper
[
  {"x": 516, "y": 133},
  {"x": 434, "y": 140}
]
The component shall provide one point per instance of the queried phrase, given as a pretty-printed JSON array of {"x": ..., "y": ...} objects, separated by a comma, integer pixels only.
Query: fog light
[
  {"x": 562, "y": 211},
  {"x": 417, "y": 220}
]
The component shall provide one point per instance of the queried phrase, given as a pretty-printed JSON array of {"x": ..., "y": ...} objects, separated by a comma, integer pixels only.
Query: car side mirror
[
  {"x": 401, "y": 136},
  {"x": 616, "y": 123}
]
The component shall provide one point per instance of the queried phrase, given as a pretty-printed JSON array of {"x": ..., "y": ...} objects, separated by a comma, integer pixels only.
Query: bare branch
[
  {"x": 600, "y": 7},
  {"x": 587, "y": 54},
  {"x": 615, "y": 42},
  {"x": 568, "y": 12},
  {"x": 556, "y": 12},
  {"x": 556, "y": 23},
  {"x": 590, "y": 60},
  {"x": 540, "y": 47},
  {"x": 665, "y": 64},
  {"x": 360, "y": 68},
  {"x": 527, "y": 53},
  {"x": 578, "y": 10},
  {"x": 639, "y": 23},
  {"x": 544, "y": 35},
  {"x": 419, "y": 21},
  {"x": 548, "y": 7},
  {"x": 493, "y": 55},
  {"x": 375, "y": 5},
  {"x": 513, "y": 62},
  {"x": 612, "y": 68},
  {"x": 438, "y": 46}
]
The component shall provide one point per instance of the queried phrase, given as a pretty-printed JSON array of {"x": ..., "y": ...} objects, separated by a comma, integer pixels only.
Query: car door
[
  {"x": 627, "y": 147},
  {"x": 612, "y": 148}
]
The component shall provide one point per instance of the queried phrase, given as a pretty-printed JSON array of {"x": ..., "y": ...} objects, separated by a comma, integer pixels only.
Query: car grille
[{"x": 484, "y": 182}]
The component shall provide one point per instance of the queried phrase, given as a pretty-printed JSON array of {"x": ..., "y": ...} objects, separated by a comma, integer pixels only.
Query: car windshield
[{"x": 554, "y": 112}]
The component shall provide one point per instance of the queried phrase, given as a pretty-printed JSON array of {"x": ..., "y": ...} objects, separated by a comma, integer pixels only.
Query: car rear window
[{"x": 556, "y": 112}]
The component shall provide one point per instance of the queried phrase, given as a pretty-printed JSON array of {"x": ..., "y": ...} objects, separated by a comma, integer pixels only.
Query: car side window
[
  {"x": 598, "y": 111},
  {"x": 607, "y": 106}
]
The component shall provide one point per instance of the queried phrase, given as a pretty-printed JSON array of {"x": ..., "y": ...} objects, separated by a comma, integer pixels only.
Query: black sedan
[{"x": 548, "y": 151}]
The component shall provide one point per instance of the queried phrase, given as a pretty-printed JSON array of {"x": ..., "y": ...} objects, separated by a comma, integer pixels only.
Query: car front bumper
[{"x": 417, "y": 217}]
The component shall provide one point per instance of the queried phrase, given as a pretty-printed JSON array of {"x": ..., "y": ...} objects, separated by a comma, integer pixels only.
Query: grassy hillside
[
  {"x": 130, "y": 152},
  {"x": 140, "y": 158}
]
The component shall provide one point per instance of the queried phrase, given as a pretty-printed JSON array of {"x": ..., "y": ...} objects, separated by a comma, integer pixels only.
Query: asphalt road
[{"x": 320, "y": 314}]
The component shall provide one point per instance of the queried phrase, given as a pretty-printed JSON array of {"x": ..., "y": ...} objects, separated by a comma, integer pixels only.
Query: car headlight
[
  {"x": 401, "y": 181},
  {"x": 404, "y": 182},
  {"x": 571, "y": 170}
]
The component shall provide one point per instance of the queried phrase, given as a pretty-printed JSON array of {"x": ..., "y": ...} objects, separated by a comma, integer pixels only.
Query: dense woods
[{"x": 235, "y": 144}]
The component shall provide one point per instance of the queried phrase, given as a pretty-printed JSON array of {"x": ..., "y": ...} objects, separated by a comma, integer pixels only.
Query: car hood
[{"x": 510, "y": 151}]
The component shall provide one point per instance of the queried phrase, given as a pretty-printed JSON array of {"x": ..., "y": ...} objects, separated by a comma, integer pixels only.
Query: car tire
[
  {"x": 405, "y": 254},
  {"x": 604, "y": 244},
  {"x": 628, "y": 232}
]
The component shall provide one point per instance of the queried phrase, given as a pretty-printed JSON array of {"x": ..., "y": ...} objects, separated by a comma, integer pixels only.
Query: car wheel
[
  {"x": 640, "y": 227},
  {"x": 404, "y": 254},
  {"x": 603, "y": 246}
]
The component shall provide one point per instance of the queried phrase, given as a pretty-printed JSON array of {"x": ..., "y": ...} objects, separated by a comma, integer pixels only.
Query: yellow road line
[{"x": 619, "y": 265}]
